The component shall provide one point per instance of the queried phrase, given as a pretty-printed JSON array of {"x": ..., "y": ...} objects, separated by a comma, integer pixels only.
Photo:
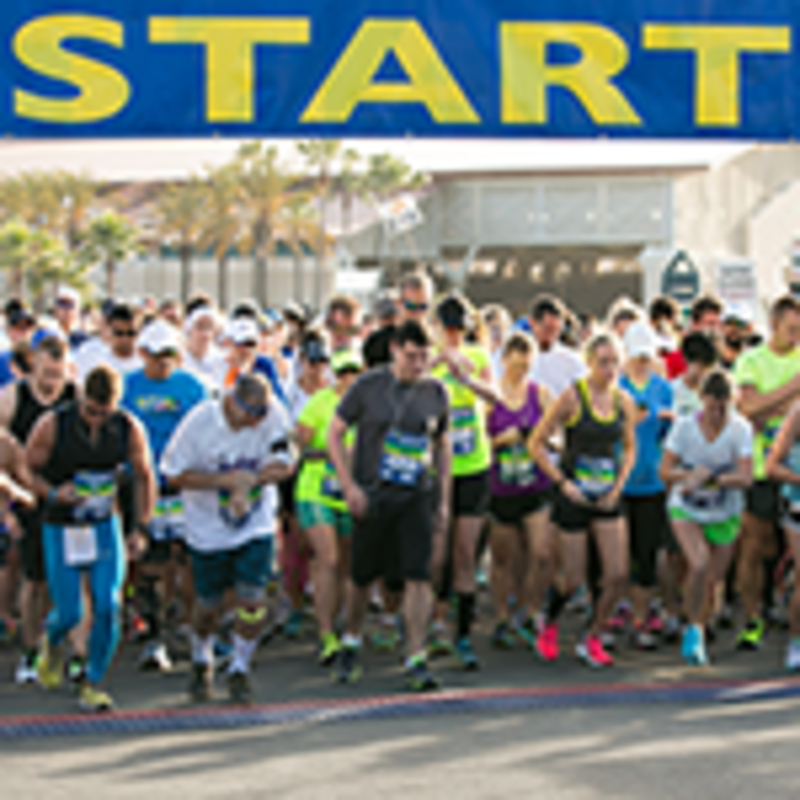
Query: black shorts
[
  {"x": 513, "y": 510},
  {"x": 763, "y": 500},
  {"x": 31, "y": 546},
  {"x": 471, "y": 495},
  {"x": 572, "y": 518},
  {"x": 395, "y": 539},
  {"x": 648, "y": 525},
  {"x": 286, "y": 495}
]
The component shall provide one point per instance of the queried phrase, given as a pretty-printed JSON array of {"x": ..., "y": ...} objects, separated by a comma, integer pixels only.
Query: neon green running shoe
[
  {"x": 329, "y": 649},
  {"x": 752, "y": 635}
]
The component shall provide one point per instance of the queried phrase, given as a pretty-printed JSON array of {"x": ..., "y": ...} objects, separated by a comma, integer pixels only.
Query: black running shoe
[
  {"x": 239, "y": 689},
  {"x": 420, "y": 679},
  {"x": 347, "y": 668}
]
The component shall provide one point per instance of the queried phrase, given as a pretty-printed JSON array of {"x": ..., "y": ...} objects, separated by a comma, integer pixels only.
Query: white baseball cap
[
  {"x": 243, "y": 331},
  {"x": 640, "y": 341},
  {"x": 159, "y": 336}
]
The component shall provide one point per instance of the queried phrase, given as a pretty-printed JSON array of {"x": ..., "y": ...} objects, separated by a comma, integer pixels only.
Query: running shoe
[
  {"x": 94, "y": 700},
  {"x": 693, "y": 647},
  {"x": 239, "y": 689},
  {"x": 618, "y": 622},
  {"x": 591, "y": 652},
  {"x": 793, "y": 655},
  {"x": 385, "y": 639},
  {"x": 654, "y": 624},
  {"x": 293, "y": 627},
  {"x": 348, "y": 669},
  {"x": 329, "y": 649},
  {"x": 155, "y": 658},
  {"x": 528, "y": 632},
  {"x": 503, "y": 638},
  {"x": 466, "y": 655},
  {"x": 546, "y": 644},
  {"x": 419, "y": 678},
  {"x": 609, "y": 640},
  {"x": 201, "y": 683},
  {"x": 751, "y": 636},
  {"x": 439, "y": 645},
  {"x": 50, "y": 666},
  {"x": 25, "y": 673},
  {"x": 642, "y": 638},
  {"x": 75, "y": 670}
]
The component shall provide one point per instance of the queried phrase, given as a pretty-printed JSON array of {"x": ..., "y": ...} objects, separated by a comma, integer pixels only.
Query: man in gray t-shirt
[{"x": 402, "y": 456}]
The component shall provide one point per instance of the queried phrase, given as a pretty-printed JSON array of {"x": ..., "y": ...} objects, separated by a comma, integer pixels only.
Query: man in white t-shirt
[
  {"x": 556, "y": 366},
  {"x": 226, "y": 457},
  {"x": 119, "y": 352}
]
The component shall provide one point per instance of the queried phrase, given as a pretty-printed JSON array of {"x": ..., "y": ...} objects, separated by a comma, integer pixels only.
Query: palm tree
[
  {"x": 263, "y": 183},
  {"x": 110, "y": 238},
  {"x": 221, "y": 222},
  {"x": 50, "y": 265},
  {"x": 41, "y": 201},
  {"x": 350, "y": 185},
  {"x": 15, "y": 238},
  {"x": 321, "y": 154},
  {"x": 181, "y": 211},
  {"x": 77, "y": 192},
  {"x": 300, "y": 223}
]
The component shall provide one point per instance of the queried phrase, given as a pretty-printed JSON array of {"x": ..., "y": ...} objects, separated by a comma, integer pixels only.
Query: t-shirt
[
  {"x": 655, "y": 396},
  {"x": 395, "y": 424},
  {"x": 205, "y": 442},
  {"x": 161, "y": 405},
  {"x": 684, "y": 400},
  {"x": 96, "y": 352},
  {"x": 207, "y": 369},
  {"x": 317, "y": 481},
  {"x": 686, "y": 440},
  {"x": 557, "y": 369},
  {"x": 766, "y": 371},
  {"x": 472, "y": 452}
]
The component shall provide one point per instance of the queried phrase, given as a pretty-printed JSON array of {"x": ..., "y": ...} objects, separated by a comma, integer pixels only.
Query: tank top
[
  {"x": 514, "y": 472},
  {"x": 29, "y": 409},
  {"x": 95, "y": 468},
  {"x": 593, "y": 445}
]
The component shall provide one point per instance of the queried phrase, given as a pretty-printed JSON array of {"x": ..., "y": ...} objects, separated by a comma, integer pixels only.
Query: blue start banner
[{"x": 463, "y": 68}]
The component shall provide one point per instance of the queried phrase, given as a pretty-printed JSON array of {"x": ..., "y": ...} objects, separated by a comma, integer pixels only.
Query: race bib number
[
  {"x": 463, "y": 427},
  {"x": 706, "y": 497},
  {"x": 404, "y": 459},
  {"x": 515, "y": 466},
  {"x": 595, "y": 476},
  {"x": 238, "y": 518},
  {"x": 167, "y": 521},
  {"x": 80, "y": 545},
  {"x": 97, "y": 493}
]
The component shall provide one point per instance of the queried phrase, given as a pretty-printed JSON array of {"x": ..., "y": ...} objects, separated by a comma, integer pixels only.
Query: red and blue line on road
[{"x": 473, "y": 701}]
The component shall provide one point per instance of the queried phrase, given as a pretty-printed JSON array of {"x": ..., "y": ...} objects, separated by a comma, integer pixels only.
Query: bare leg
[
  {"x": 697, "y": 553},
  {"x": 504, "y": 545},
  {"x": 612, "y": 543},
  {"x": 540, "y": 537}
]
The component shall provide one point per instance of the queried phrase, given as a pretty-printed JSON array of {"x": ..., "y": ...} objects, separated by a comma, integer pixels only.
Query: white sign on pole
[
  {"x": 400, "y": 215},
  {"x": 737, "y": 286}
]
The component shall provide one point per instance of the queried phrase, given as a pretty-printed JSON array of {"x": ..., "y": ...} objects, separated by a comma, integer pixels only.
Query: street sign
[
  {"x": 680, "y": 279},
  {"x": 737, "y": 286}
]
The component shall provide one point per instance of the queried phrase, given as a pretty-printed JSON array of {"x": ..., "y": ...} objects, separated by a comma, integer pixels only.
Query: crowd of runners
[{"x": 358, "y": 472}]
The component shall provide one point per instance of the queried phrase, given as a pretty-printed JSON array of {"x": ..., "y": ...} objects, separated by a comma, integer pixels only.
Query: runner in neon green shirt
[
  {"x": 768, "y": 378},
  {"x": 321, "y": 508}
]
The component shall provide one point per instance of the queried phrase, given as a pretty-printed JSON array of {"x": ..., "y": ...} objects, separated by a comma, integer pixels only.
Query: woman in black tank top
[{"x": 598, "y": 422}]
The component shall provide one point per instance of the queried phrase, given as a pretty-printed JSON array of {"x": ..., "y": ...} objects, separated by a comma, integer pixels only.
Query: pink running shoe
[
  {"x": 618, "y": 622},
  {"x": 547, "y": 643},
  {"x": 591, "y": 651},
  {"x": 654, "y": 623}
]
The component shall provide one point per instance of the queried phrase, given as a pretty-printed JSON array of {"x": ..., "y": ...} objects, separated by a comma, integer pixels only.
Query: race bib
[
  {"x": 768, "y": 435},
  {"x": 404, "y": 459},
  {"x": 80, "y": 545},
  {"x": 463, "y": 426},
  {"x": 706, "y": 497},
  {"x": 230, "y": 516},
  {"x": 515, "y": 466},
  {"x": 97, "y": 493},
  {"x": 167, "y": 521},
  {"x": 595, "y": 476},
  {"x": 331, "y": 486}
]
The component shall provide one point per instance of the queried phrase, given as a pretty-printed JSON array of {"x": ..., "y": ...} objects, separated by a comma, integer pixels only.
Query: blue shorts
[{"x": 246, "y": 569}]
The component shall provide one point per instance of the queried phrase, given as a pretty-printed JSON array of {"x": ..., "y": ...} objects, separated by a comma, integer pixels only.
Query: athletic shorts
[
  {"x": 471, "y": 495},
  {"x": 763, "y": 500},
  {"x": 31, "y": 546},
  {"x": 309, "y": 515},
  {"x": 572, "y": 518},
  {"x": 246, "y": 569},
  {"x": 720, "y": 534},
  {"x": 286, "y": 502},
  {"x": 647, "y": 526},
  {"x": 395, "y": 539},
  {"x": 512, "y": 510}
]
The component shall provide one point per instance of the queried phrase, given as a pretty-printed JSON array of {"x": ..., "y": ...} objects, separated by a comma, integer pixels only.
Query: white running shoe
[
  {"x": 26, "y": 674},
  {"x": 793, "y": 656}
]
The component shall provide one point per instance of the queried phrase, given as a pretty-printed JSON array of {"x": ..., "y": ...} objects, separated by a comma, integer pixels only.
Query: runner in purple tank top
[{"x": 521, "y": 530}]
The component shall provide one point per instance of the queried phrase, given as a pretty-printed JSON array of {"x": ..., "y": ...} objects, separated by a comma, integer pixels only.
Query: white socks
[
  {"x": 202, "y": 649},
  {"x": 243, "y": 650}
]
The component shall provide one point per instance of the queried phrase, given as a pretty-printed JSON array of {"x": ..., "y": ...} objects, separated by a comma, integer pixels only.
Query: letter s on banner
[{"x": 102, "y": 90}]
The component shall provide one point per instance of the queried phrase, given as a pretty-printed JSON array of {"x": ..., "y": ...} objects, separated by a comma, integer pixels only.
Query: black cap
[
  {"x": 20, "y": 316},
  {"x": 452, "y": 312}
]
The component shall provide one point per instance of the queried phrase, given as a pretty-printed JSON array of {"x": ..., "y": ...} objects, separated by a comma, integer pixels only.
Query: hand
[
  {"x": 511, "y": 436},
  {"x": 571, "y": 491},
  {"x": 14, "y": 492},
  {"x": 460, "y": 367},
  {"x": 239, "y": 503},
  {"x": 136, "y": 545},
  {"x": 357, "y": 502},
  {"x": 696, "y": 478},
  {"x": 667, "y": 414},
  {"x": 238, "y": 480},
  {"x": 609, "y": 501},
  {"x": 442, "y": 518},
  {"x": 66, "y": 495}
]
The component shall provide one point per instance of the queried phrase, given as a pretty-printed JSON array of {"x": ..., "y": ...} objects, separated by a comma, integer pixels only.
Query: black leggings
[{"x": 647, "y": 522}]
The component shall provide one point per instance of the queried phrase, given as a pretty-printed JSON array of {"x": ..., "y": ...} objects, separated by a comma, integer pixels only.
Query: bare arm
[
  {"x": 556, "y": 417},
  {"x": 758, "y": 407},
  {"x": 337, "y": 453},
  {"x": 740, "y": 478},
  {"x": 787, "y": 436},
  {"x": 671, "y": 471},
  {"x": 628, "y": 444},
  {"x": 8, "y": 405},
  {"x": 37, "y": 452},
  {"x": 143, "y": 475}
]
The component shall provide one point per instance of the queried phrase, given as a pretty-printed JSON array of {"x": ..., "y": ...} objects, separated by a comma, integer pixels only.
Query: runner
[
  {"x": 707, "y": 463},
  {"x": 522, "y": 541},
  {"x": 202, "y": 357},
  {"x": 159, "y": 396},
  {"x": 321, "y": 507},
  {"x": 119, "y": 352},
  {"x": 226, "y": 457},
  {"x": 768, "y": 378},
  {"x": 466, "y": 372},
  {"x": 77, "y": 454},
  {"x": 21, "y": 406},
  {"x": 645, "y": 494},
  {"x": 600, "y": 450},
  {"x": 400, "y": 417},
  {"x": 699, "y": 355}
]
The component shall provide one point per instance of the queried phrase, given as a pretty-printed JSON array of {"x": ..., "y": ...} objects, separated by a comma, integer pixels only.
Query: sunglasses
[
  {"x": 67, "y": 305},
  {"x": 126, "y": 333},
  {"x": 256, "y": 412},
  {"x": 409, "y": 306},
  {"x": 169, "y": 353},
  {"x": 246, "y": 344}
]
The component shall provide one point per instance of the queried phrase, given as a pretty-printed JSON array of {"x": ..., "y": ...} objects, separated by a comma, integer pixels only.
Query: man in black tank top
[
  {"x": 21, "y": 406},
  {"x": 78, "y": 454}
]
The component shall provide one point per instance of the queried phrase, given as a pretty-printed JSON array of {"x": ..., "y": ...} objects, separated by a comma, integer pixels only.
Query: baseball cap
[
  {"x": 67, "y": 296},
  {"x": 243, "y": 330},
  {"x": 199, "y": 314},
  {"x": 46, "y": 332},
  {"x": 294, "y": 311},
  {"x": 452, "y": 313},
  {"x": 158, "y": 337},
  {"x": 741, "y": 313},
  {"x": 640, "y": 341},
  {"x": 385, "y": 308},
  {"x": 315, "y": 351},
  {"x": 344, "y": 360}
]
